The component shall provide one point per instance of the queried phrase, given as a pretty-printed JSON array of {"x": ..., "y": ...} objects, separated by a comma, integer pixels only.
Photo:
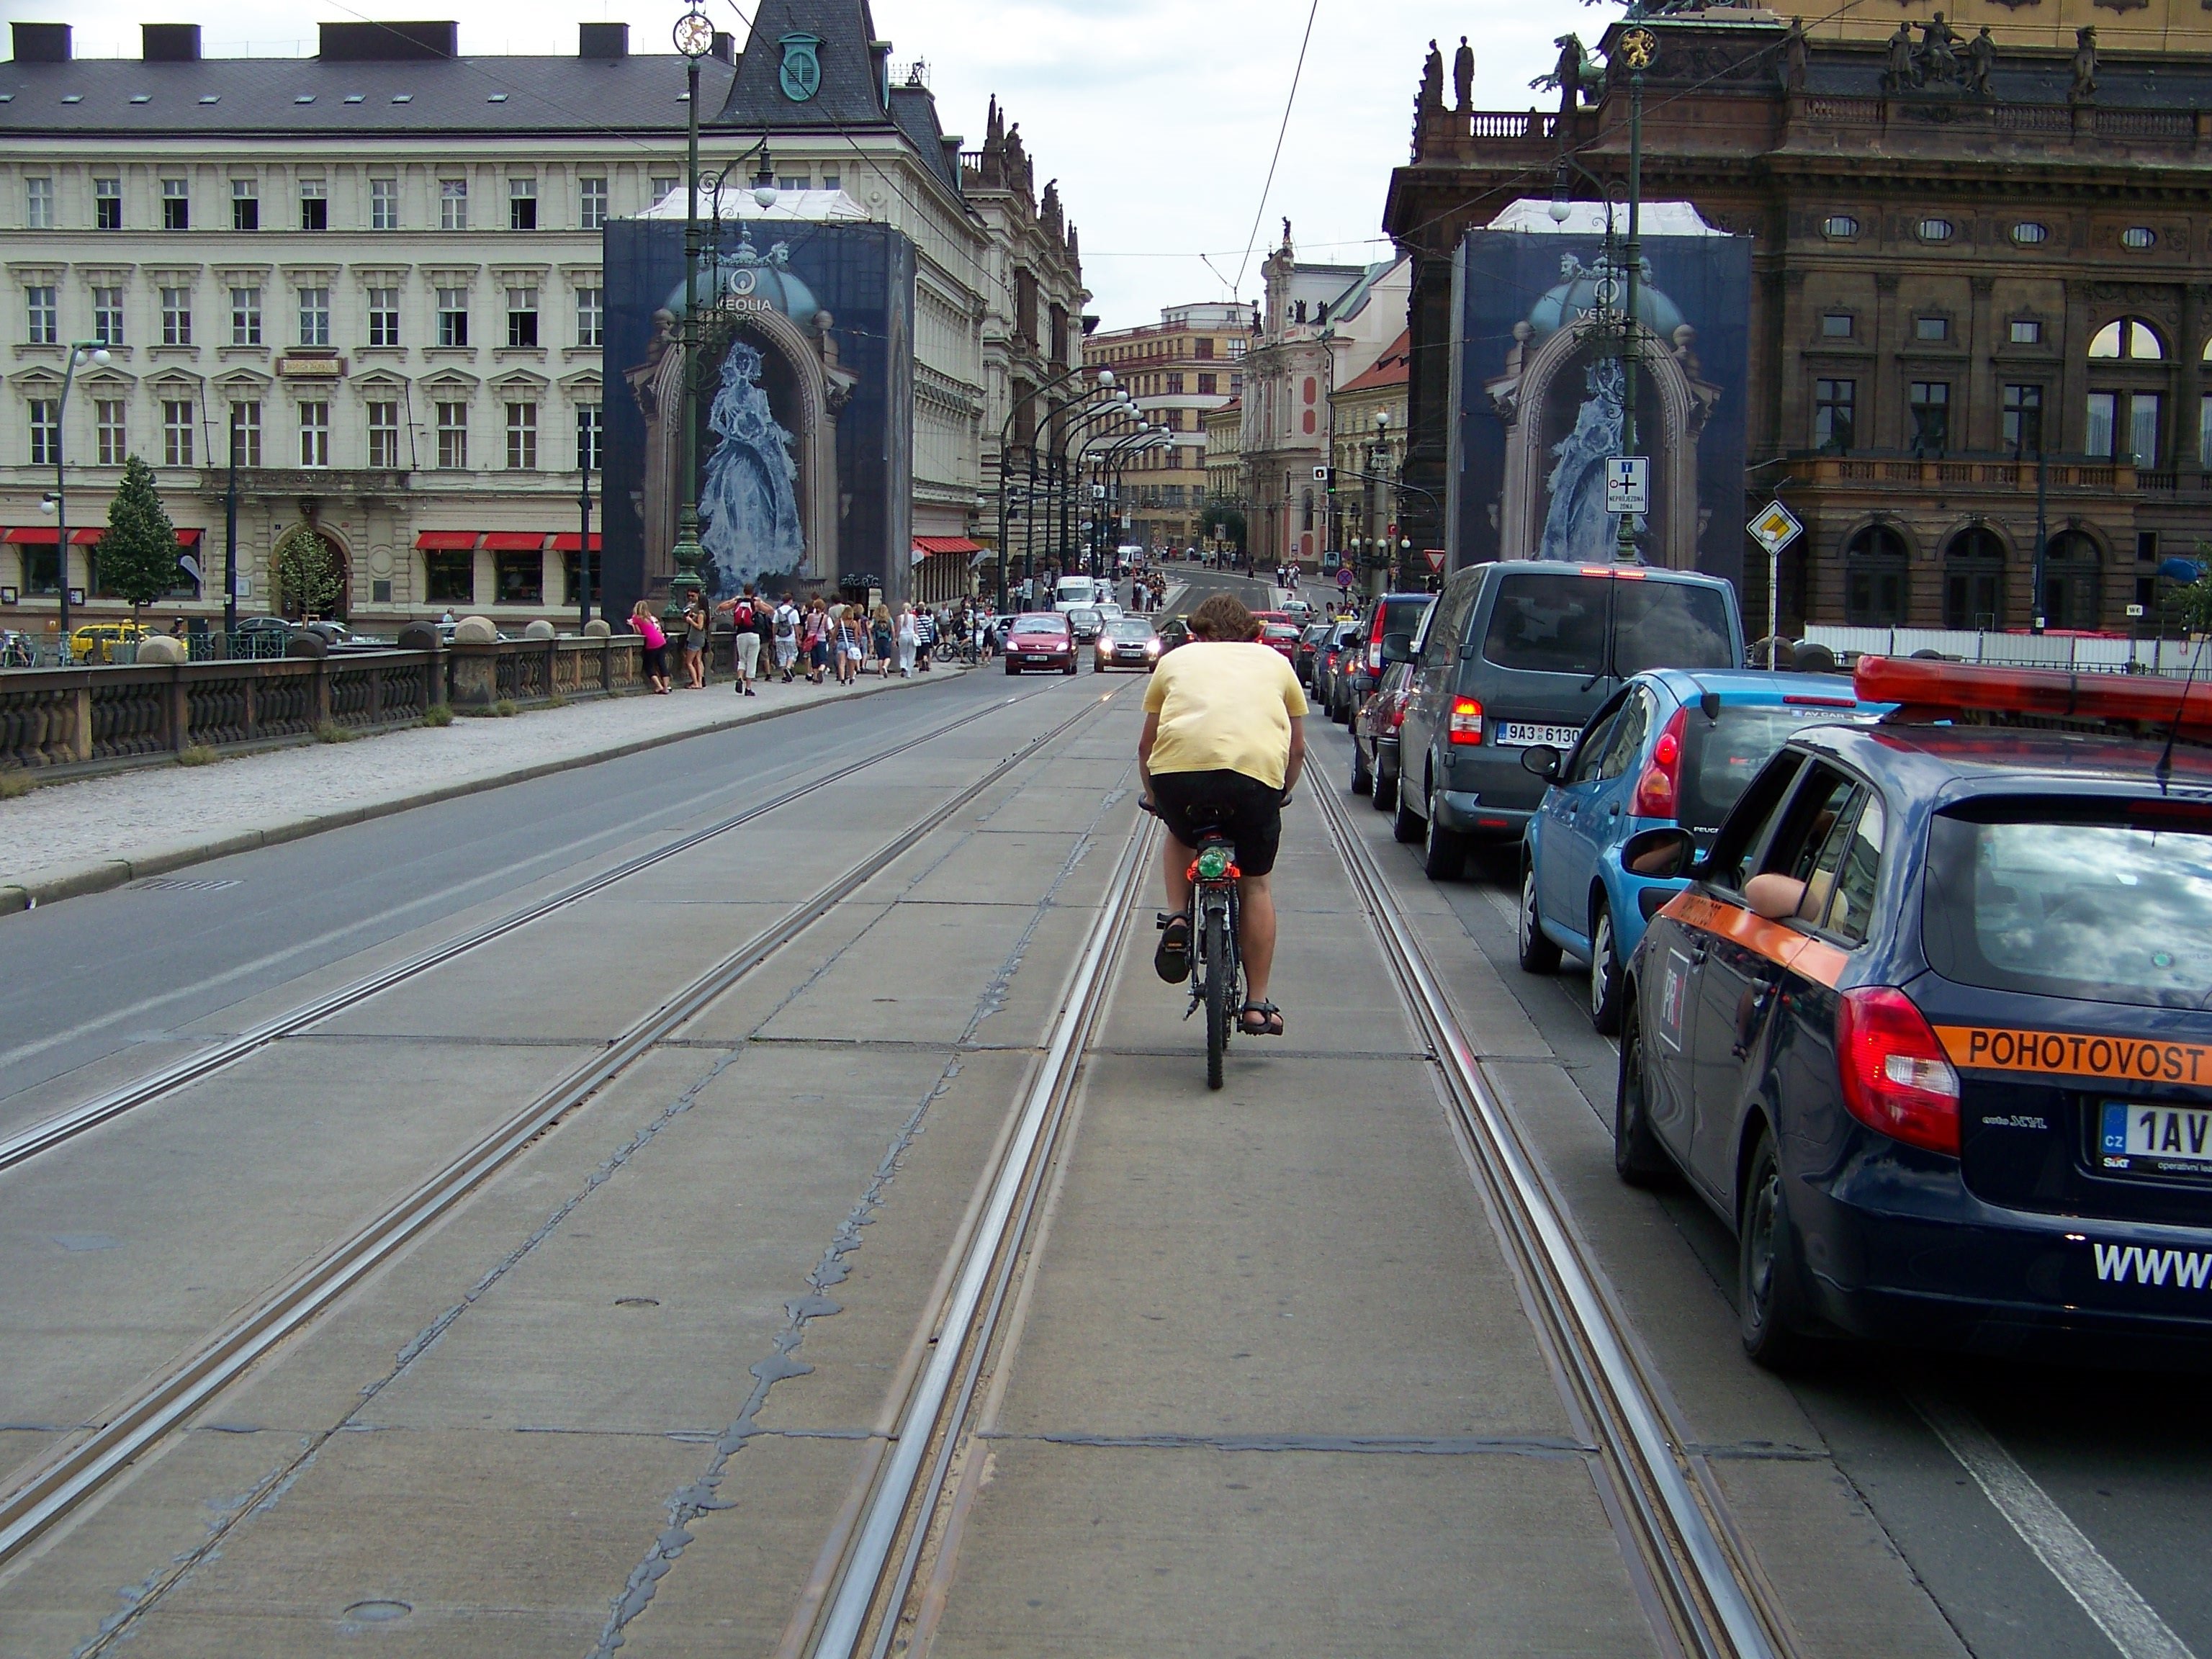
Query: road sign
[
  {"x": 1776, "y": 528},
  {"x": 1628, "y": 484},
  {"x": 1435, "y": 556}
]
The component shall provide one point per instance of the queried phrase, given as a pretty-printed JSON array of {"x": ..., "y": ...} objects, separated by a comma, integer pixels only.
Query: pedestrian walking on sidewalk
[
  {"x": 744, "y": 640},
  {"x": 884, "y": 638},
  {"x": 647, "y": 627},
  {"x": 817, "y": 639},
  {"x": 925, "y": 637},
  {"x": 907, "y": 639},
  {"x": 847, "y": 643},
  {"x": 695, "y": 645},
  {"x": 784, "y": 623}
]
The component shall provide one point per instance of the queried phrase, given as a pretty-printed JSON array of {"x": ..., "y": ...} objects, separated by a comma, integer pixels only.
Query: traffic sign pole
[{"x": 1774, "y": 530}]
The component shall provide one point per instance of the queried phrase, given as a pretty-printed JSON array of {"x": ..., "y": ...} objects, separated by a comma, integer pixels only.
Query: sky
[{"x": 1157, "y": 116}]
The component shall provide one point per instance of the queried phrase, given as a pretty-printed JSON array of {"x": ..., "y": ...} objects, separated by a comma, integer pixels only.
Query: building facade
[
  {"x": 1367, "y": 446},
  {"x": 1320, "y": 327},
  {"x": 1978, "y": 320},
  {"x": 1178, "y": 371},
  {"x": 1224, "y": 462},
  {"x": 381, "y": 269}
]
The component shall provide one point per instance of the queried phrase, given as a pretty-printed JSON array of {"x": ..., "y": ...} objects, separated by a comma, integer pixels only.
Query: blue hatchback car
[{"x": 1672, "y": 746}]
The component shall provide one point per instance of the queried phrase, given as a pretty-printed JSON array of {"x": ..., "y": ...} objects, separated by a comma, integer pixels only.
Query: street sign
[
  {"x": 1628, "y": 484},
  {"x": 1776, "y": 528},
  {"x": 1435, "y": 556},
  {"x": 1321, "y": 475}
]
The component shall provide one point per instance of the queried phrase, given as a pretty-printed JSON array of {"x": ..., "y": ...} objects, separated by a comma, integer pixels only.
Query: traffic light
[{"x": 1326, "y": 475}]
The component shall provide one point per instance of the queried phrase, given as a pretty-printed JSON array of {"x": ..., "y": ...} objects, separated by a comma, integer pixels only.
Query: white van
[{"x": 1077, "y": 592}]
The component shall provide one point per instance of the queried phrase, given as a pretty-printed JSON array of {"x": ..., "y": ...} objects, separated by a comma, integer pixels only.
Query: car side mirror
[
  {"x": 1543, "y": 760},
  {"x": 1661, "y": 855},
  {"x": 1397, "y": 648}
]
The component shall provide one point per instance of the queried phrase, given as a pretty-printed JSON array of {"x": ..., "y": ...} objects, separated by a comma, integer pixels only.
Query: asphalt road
[{"x": 1268, "y": 1386}]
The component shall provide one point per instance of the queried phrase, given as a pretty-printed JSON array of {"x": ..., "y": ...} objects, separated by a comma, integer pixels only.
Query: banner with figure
[
  {"x": 801, "y": 406},
  {"x": 1541, "y": 398}
]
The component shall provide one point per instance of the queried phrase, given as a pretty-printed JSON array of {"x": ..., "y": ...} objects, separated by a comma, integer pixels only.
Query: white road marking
[{"x": 2130, "y": 1623}]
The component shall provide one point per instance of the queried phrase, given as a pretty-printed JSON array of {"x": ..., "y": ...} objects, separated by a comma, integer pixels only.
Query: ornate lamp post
[
  {"x": 79, "y": 351},
  {"x": 694, "y": 35},
  {"x": 1638, "y": 47}
]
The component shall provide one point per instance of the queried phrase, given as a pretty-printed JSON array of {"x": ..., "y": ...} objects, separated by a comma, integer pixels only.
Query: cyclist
[{"x": 1222, "y": 744}]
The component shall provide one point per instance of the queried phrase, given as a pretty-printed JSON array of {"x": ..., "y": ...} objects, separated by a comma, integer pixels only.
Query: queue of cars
[{"x": 1913, "y": 992}]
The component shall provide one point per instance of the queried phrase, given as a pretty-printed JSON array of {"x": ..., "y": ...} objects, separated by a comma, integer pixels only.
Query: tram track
[
  {"x": 42, "y": 1137},
  {"x": 50, "y": 1489}
]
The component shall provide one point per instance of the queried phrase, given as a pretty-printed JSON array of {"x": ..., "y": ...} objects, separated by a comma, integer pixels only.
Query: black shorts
[{"x": 1247, "y": 810}]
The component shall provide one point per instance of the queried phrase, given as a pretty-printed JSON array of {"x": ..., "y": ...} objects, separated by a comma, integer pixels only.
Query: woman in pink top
[{"x": 656, "y": 646}]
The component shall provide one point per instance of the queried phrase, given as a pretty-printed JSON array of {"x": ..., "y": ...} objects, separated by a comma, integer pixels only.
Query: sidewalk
[{"x": 92, "y": 833}]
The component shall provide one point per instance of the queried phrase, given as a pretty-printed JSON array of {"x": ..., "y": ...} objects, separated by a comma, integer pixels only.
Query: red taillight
[
  {"x": 1397, "y": 713},
  {"x": 1465, "y": 726},
  {"x": 1896, "y": 1078},
  {"x": 1659, "y": 791}
]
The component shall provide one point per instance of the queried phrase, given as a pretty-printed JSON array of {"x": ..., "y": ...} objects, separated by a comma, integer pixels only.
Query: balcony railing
[{"x": 2071, "y": 474}]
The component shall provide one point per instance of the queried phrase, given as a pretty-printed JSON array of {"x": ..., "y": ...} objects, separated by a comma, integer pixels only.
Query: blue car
[
  {"x": 1930, "y": 1028},
  {"x": 1672, "y": 746}
]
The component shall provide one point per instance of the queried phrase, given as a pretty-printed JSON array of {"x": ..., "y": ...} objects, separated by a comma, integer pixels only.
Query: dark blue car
[{"x": 1929, "y": 1028}]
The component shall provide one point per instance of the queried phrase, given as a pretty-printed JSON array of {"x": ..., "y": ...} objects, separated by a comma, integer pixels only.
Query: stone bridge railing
[{"x": 97, "y": 719}]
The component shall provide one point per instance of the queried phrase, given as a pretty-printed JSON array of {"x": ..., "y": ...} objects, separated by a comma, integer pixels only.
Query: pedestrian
[
  {"x": 924, "y": 636},
  {"x": 695, "y": 644},
  {"x": 647, "y": 627},
  {"x": 848, "y": 644},
  {"x": 885, "y": 640},
  {"x": 786, "y": 623},
  {"x": 907, "y": 640},
  {"x": 817, "y": 639},
  {"x": 745, "y": 641}
]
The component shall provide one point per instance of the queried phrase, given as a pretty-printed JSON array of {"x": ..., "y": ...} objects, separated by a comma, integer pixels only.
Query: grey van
[{"x": 1523, "y": 652}]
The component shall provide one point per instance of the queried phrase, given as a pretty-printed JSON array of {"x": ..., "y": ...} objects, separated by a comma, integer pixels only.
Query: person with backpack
[
  {"x": 745, "y": 641},
  {"x": 784, "y": 625},
  {"x": 817, "y": 639},
  {"x": 884, "y": 638}
]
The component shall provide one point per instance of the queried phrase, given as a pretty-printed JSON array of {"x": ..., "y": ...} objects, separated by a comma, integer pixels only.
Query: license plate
[
  {"x": 1522, "y": 734},
  {"x": 2138, "y": 1135},
  {"x": 1037, "y": 656}
]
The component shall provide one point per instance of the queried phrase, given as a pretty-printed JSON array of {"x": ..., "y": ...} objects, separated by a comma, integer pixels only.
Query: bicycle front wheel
[{"x": 1220, "y": 978}]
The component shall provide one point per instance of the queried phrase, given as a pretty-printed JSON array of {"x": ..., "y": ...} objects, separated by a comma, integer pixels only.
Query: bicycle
[{"x": 1216, "y": 971}]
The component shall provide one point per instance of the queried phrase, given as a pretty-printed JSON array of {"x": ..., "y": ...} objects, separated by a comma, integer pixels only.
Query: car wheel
[
  {"x": 1638, "y": 1158},
  {"x": 1769, "y": 1306},
  {"x": 1605, "y": 973},
  {"x": 1070, "y": 669},
  {"x": 1405, "y": 824},
  {"x": 1443, "y": 852},
  {"x": 1386, "y": 790},
  {"x": 1362, "y": 779},
  {"x": 1012, "y": 668},
  {"x": 1539, "y": 955}
]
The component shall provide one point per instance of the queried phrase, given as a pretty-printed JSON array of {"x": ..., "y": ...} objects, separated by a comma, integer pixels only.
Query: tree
[
  {"x": 1223, "y": 520},
  {"x": 138, "y": 557},
  {"x": 2191, "y": 603},
  {"x": 305, "y": 572}
]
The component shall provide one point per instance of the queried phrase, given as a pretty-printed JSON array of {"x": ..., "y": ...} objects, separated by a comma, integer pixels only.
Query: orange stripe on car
[
  {"x": 2075, "y": 1053},
  {"x": 1814, "y": 959}
]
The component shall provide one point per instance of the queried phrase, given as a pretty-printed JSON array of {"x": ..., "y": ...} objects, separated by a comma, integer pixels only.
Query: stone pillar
[
  {"x": 1888, "y": 427},
  {"x": 2188, "y": 414},
  {"x": 1979, "y": 426}
]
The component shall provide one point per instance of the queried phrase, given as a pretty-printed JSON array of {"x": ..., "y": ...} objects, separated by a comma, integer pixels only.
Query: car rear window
[
  {"x": 1556, "y": 625},
  {"x": 1720, "y": 757},
  {"x": 2101, "y": 900},
  {"x": 1280, "y": 631}
]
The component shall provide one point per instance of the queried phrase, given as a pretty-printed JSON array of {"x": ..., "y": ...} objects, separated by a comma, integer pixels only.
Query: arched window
[
  {"x": 1876, "y": 578},
  {"x": 1974, "y": 580},
  {"x": 2129, "y": 338},
  {"x": 2073, "y": 581}
]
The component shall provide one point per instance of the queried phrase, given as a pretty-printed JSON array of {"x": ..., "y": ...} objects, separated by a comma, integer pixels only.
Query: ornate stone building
[
  {"x": 1367, "y": 446},
  {"x": 1979, "y": 234}
]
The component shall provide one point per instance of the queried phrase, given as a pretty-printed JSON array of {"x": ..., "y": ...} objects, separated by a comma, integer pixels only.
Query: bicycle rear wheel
[{"x": 1220, "y": 980}]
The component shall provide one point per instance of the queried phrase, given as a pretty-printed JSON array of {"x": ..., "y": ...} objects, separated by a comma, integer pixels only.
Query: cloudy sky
[{"x": 1158, "y": 117}]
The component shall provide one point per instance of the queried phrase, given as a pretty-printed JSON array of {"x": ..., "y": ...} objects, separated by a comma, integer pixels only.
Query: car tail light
[
  {"x": 1896, "y": 1078},
  {"x": 1466, "y": 720},
  {"x": 1659, "y": 791},
  {"x": 1397, "y": 711}
]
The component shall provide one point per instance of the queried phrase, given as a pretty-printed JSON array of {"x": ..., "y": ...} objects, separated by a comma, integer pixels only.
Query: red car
[
  {"x": 1284, "y": 636},
  {"x": 1040, "y": 639}
]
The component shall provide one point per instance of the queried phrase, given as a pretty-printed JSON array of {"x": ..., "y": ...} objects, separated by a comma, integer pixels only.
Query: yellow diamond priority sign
[{"x": 1776, "y": 528}]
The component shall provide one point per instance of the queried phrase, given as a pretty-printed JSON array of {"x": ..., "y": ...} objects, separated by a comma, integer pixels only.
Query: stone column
[
  {"x": 1979, "y": 425},
  {"x": 1888, "y": 428}
]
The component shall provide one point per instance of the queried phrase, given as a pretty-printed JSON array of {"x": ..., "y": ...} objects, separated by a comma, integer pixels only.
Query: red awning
[
  {"x": 35, "y": 535},
  {"x": 86, "y": 537},
  {"x": 189, "y": 537},
  {"x": 516, "y": 541},
  {"x": 447, "y": 541},
  {"x": 571, "y": 541},
  {"x": 945, "y": 544}
]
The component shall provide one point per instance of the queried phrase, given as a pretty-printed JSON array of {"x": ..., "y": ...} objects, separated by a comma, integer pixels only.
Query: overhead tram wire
[{"x": 1260, "y": 212}]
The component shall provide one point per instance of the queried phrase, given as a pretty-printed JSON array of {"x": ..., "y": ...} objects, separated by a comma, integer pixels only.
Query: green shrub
[
  {"x": 198, "y": 755},
  {"x": 14, "y": 784},
  {"x": 331, "y": 732},
  {"x": 438, "y": 714},
  {"x": 504, "y": 708}
]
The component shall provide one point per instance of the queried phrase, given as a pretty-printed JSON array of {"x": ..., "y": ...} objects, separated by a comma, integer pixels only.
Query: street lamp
[
  {"x": 80, "y": 352},
  {"x": 1006, "y": 427},
  {"x": 694, "y": 35}
]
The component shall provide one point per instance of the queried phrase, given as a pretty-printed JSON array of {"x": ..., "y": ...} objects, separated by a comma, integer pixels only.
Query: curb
[{"x": 103, "y": 874}]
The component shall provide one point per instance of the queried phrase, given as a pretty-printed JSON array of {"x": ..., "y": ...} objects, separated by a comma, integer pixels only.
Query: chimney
[
  {"x": 388, "y": 43},
  {"x": 725, "y": 49},
  {"x": 169, "y": 43},
  {"x": 41, "y": 43},
  {"x": 603, "y": 40}
]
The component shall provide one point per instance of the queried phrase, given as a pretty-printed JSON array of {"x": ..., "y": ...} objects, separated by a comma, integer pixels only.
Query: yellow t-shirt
[{"x": 1225, "y": 707}]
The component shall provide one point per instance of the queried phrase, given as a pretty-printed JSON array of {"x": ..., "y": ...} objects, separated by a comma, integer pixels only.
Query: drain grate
[{"x": 183, "y": 884}]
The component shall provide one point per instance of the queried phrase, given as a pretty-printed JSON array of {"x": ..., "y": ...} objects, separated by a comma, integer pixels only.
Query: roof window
[
  {"x": 72, "y": 98},
  {"x": 496, "y": 98},
  {"x": 210, "y": 98},
  {"x": 305, "y": 98},
  {"x": 354, "y": 97},
  {"x": 142, "y": 97},
  {"x": 402, "y": 97}
]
